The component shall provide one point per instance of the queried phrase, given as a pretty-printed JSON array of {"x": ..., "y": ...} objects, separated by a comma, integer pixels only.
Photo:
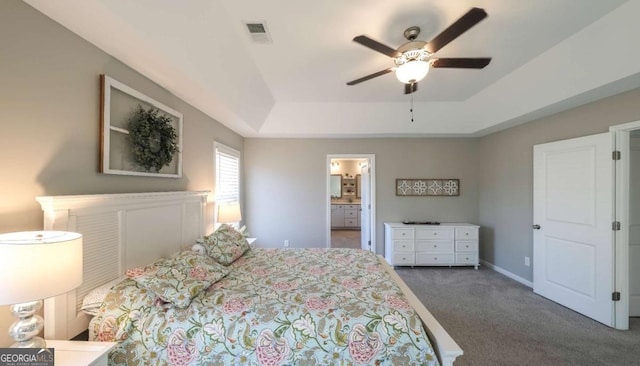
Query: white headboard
[{"x": 120, "y": 231}]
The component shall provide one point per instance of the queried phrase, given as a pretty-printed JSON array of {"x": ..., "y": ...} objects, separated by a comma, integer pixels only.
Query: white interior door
[
  {"x": 365, "y": 207},
  {"x": 573, "y": 206},
  {"x": 634, "y": 225}
]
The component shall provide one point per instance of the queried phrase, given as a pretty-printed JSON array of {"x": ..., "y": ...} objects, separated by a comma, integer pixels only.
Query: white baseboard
[{"x": 506, "y": 273}]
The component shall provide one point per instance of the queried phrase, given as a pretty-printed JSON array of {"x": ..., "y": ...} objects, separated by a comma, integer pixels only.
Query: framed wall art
[
  {"x": 427, "y": 187},
  {"x": 139, "y": 135}
]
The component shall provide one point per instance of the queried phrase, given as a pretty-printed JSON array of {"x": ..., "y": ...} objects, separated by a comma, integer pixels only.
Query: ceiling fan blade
[
  {"x": 371, "y": 76},
  {"x": 410, "y": 88},
  {"x": 376, "y": 46},
  {"x": 471, "y": 18},
  {"x": 462, "y": 63}
]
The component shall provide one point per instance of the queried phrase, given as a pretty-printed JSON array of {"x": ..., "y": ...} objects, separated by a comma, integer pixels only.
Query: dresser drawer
[
  {"x": 466, "y": 258},
  {"x": 434, "y": 246},
  {"x": 403, "y": 246},
  {"x": 350, "y": 213},
  {"x": 466, "y": 245},
  {"x": 352, "y": 207},
  {"x": 401, "y": 233},
  {"x": 403, "y": 259},
  {"x": 465, "y": 232},
  {"x": 351, "y": 222},
  {"x": 337, "y": 207},
  {"x": 434, "y": 259},
  {"x": 434, "y": 233}
]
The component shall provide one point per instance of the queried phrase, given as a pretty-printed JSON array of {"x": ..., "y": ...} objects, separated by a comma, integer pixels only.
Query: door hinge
[
  {"x": 615, "y": 296},
  {"x": 616, "y": 155},
  {"x": 369, "y": 242},
  {"x": 615, "y": 226}
]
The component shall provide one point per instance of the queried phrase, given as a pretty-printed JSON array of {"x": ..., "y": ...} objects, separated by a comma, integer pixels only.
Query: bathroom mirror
[{"x": 336, "y": 185}]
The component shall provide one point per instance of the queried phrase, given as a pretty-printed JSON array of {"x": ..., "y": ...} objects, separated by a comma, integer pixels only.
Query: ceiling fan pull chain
[{"x": 411, "y": 109}]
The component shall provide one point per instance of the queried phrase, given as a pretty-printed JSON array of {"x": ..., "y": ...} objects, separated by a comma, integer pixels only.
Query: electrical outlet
[
  {"x": 527, "y": 261},
  {"x": 286, "y": 243}
]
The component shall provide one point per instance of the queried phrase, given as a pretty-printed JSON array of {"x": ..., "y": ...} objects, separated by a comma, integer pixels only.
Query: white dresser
[{"x": 447, "y": 244}]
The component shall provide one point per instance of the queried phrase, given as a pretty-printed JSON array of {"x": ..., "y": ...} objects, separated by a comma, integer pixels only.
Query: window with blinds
[{"x": 227, "y": 174}]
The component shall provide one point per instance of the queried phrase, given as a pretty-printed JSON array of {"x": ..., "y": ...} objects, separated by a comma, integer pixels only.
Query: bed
[{"x": 356, "y": 309}]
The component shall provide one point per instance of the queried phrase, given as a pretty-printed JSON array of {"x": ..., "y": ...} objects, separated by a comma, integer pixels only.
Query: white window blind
[{"x": 227, "y": 174}]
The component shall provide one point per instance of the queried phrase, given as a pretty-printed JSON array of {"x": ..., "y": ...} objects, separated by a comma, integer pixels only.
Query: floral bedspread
[{"x": 275, "y": 307}]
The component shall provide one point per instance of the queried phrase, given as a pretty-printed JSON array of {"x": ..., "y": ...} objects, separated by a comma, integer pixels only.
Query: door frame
[
  {"x": 372, "y": 192},
  {"x": 620, "y": 135}
]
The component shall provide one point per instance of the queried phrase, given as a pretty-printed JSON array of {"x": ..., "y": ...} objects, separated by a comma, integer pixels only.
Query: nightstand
[{"x": 81, "y": 353}]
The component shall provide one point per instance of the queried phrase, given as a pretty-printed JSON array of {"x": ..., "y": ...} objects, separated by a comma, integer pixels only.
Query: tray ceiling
[{"x": 548, "y": 56}]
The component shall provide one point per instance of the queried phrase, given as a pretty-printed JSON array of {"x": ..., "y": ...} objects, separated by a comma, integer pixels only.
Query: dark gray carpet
[{"x": 498, "y": 321}]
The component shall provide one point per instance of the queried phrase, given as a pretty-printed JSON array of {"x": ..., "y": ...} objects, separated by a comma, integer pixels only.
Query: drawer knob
[
  {"x": 434, "y": 234},
  {"x": 467, "y": 246},
  {"x": 467, "y": 258},
  {"x": 467, "y": 234},
  {"x": 435, "y": 245},
  {"x": 435, "y": 258}
]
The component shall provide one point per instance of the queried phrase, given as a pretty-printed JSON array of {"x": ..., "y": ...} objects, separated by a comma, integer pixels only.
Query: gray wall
[
  {"x": 50, "y": 127},
  {"x": 506, "y": 175},
  {"x": 286, "y": 184}
]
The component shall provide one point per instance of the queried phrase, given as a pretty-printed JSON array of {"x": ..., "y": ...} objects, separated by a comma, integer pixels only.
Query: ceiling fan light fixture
[
  {"x": 412, "y": 71},
  {"x": 414, "y": 58}
]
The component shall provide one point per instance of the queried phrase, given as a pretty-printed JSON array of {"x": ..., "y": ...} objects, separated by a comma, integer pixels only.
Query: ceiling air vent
[{"x": 258, "y": 32}]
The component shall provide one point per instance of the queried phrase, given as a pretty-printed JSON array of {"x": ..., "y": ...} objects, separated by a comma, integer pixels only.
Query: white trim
[
  {"x": 226, "y": 149},
  {"x": 372, "y": 180},
  {"x": 620, "y": 134},
  {"x": 506, "y": 273},
  {"x": 372, "y": 201},
  {"x": 630, "y": 126}
]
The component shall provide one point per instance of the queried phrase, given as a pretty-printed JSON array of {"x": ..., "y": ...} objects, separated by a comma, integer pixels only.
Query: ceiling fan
[{"x": 414, "y": 58}]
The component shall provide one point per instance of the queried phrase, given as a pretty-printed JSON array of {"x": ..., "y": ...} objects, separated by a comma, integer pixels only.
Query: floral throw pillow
[
  {"x": 225, "y": 245},
  {"x": 180, "y": 278}
]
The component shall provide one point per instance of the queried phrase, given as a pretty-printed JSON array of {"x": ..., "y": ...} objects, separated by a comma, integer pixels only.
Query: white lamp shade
[
  {"x": 412, "y": 71},
  {"x": 35, "y": 265},
  {"x": 228, "y": 213}
]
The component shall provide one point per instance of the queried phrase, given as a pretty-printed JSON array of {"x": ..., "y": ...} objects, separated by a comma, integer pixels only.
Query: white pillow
[
  {"x": 92, "y": 302},
  {"x": 199, "y": 248}
]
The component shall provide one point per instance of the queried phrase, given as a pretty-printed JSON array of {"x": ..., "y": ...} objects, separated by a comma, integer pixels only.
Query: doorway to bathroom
[{"x": 351, "y": 201}]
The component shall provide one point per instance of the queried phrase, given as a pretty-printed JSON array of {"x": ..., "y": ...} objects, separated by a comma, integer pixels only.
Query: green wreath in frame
[{"x": 153, "y": 138}]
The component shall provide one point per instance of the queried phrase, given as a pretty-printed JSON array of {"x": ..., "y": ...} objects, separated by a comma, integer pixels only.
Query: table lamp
[
  {"x": 229, "y": 213},
  {"x": 35, "y": 265}
]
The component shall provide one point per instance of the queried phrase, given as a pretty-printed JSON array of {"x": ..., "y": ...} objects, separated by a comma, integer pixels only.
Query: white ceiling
[{"x": 548, "y": 56}]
